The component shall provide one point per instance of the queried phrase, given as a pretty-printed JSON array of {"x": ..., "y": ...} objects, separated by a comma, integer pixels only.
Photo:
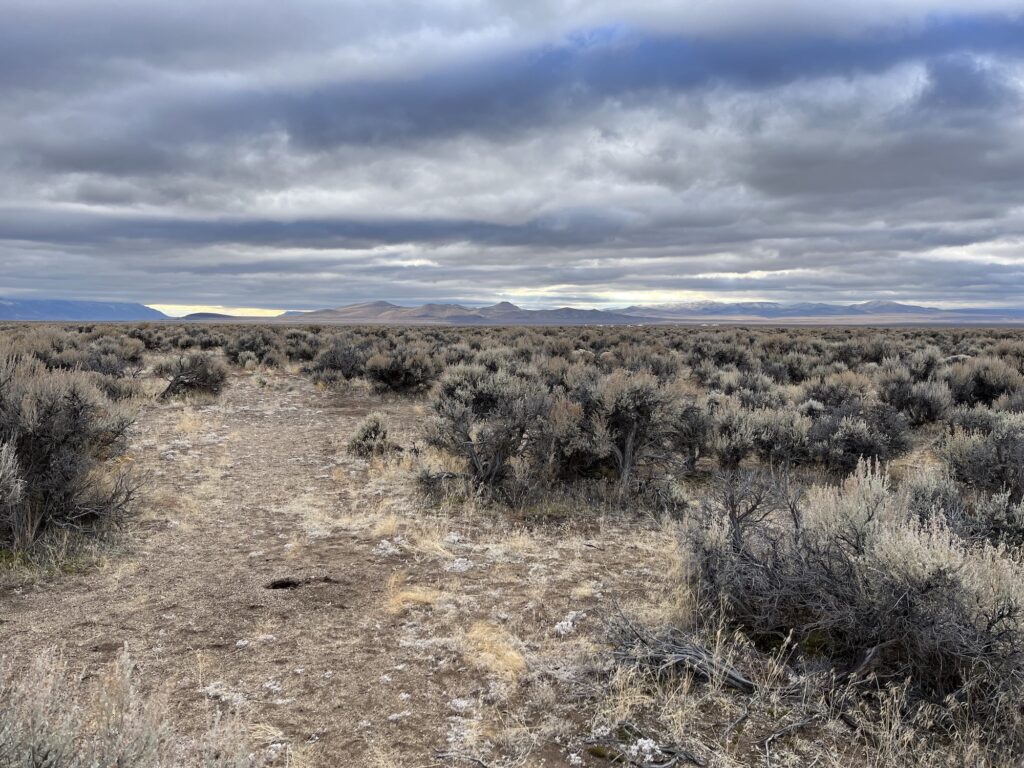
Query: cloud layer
[{"x": 316, "y": 153}]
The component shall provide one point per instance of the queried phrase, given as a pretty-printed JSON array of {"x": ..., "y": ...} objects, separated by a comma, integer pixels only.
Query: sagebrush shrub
[
  {"x": 838, "y": 389},
  {"x": 116, "y": 388},
  {"x": 191, "y": 374},
  {"x": 983, "y": 380},
  {"x": 990, "y": 461},
  {"x": 340, "y": 360},
  {"x": 487, "y": 418},
  {"x": 894, "y": 384},
  {"x": 400, "y": 370},
  {"x": 12, "y": 486},
  {"x": 259, "y": 344},
  {"x": 690, "y": 431},
  {"x": 924, "y": 363},
  {"x": 1012, "y": 402},
  {"x": 635, "y": 410},
  {"x": 371, "y": 437},
  {"x": 781, "y": 437},
  {"x": 734, "y": 433},
  {"x": 931, "y": 495},
  {"x": 301, "y": 345},
  {"x": 51, "y": 717},
  {"x": 61, "y": 432},
  {"x": 928, "y": 401},
  {"x": 572, "y": 439},
  {"x": 862, "y": 583},
  {"x": 840, "y": 438},
  {"x": 976, "y": 418}
]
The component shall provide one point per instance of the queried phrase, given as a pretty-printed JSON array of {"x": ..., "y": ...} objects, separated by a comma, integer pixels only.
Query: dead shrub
[{"x": 195, "y": 373}]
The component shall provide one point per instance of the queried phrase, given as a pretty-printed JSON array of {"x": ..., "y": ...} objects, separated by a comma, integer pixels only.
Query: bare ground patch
[{"x": 272, "y": 574}]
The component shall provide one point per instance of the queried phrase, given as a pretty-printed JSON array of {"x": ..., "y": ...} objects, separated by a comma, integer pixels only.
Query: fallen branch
[
  {"x": 622, "y": 749},
  {"x": 673, "y": 652}
]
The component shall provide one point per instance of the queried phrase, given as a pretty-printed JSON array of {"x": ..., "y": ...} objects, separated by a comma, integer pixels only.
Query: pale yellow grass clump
[
  {"x": 491, "y": 648},
  {"x": 428, "y": 537},
  {"x": 386, "y": 527},
  {"x": 401, "y": 597},
  {"x": 189, "y": 422},
  {"x": 68, "y": 719}
]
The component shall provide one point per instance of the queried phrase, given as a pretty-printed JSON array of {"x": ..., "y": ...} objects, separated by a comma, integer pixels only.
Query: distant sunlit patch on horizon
[
  {"x": 583, "y": 298},
  {"x": 180, "y": 310}
]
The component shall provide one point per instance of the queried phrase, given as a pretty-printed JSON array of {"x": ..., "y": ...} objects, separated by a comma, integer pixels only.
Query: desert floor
[{"x": 339, "y": 615}]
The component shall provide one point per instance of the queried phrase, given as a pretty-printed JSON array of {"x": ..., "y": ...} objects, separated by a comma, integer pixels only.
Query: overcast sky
[{"x": 313, "y": 153}]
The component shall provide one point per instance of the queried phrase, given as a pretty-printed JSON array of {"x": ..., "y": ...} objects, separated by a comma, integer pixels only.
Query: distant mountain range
[
  {"x": 88, "y": 311},
  {"x": 762, "y": 312},
  {"x": 772, "y": 309},
  {"x": 505, "y": 313}
]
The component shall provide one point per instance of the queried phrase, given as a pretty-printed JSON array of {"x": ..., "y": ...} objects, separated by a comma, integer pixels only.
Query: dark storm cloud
[
  {"x": 311, "y": 154},
  {"x": 501, "y": 96}
]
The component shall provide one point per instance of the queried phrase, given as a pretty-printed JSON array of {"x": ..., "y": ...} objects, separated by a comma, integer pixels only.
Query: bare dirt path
[
  {"x": 242, "y": 495},
  {"x": 272, "y": 572}
]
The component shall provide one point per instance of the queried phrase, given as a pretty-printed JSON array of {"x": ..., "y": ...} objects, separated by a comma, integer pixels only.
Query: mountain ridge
[
  {"x": 58, "y": 310},
  {"x": 506, "y": 313}
]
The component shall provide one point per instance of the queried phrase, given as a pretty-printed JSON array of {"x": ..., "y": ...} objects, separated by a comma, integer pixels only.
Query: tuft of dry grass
[
  {"x": 386, "y": 528},
  {"x": 429, "y": 535},
  {"x": 50, "y": 714},
  {"x": 492, "y": 649},
  {"x": 189, "y": 421},
  {"x": 402, "y": 597}
]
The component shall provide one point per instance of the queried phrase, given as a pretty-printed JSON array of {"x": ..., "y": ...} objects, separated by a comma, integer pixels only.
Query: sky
[{"x": 314, "y": 153}]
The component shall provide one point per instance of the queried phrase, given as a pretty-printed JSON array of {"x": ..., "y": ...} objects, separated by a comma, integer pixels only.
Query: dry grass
[
  {"x": 385, "y": 528},
  {"x": 402, "y": 597},
  {"x": 51, "y": 716},
  {"x": 429, "y": 537},
  {"x": 189, "y": 422},
  {"x": 494, "y": 650}
]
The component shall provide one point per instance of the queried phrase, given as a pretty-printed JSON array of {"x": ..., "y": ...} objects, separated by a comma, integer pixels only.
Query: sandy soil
[{"x": 274, "y": 574}]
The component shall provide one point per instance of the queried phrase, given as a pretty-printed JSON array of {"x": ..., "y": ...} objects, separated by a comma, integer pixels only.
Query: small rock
[
  {"x": 567, "y": 625},
  {"x": 385, "y": 548},
  {"x": 460, "y": 705}
]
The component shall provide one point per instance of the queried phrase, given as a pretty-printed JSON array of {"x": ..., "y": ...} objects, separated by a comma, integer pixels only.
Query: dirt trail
[
  {"x": 271, "y": 571},
  {"x": 243, "y": 493}
]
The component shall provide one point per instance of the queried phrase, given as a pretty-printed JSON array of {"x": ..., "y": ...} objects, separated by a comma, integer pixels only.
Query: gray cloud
[{"x": 313, "y": 154}]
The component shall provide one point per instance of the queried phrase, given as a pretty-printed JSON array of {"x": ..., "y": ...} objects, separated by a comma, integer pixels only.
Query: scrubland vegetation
[{"x": 846, "y": 511}]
